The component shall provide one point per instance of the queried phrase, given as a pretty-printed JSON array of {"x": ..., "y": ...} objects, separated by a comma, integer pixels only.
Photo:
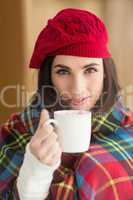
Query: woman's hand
[{"x": 44, "y": 145}]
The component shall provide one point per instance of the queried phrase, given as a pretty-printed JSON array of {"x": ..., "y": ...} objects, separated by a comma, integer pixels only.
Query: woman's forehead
[{"x": 74, "y": 60}]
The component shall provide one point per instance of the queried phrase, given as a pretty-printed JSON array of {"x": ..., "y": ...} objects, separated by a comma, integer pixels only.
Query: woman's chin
[
  {"x": 79, "y": 107},
  {"x": 76, "y": 106}
]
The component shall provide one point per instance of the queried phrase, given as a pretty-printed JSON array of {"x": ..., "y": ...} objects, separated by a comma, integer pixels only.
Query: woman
[{"x": 76, "y": 71}]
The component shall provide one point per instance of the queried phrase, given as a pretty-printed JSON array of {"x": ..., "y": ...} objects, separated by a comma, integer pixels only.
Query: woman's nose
[{"x": 78, "y": 86}]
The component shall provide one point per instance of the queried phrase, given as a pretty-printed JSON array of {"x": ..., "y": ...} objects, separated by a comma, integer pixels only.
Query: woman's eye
[
  {"x": 62, "y": 72},
  {"x": 65, "y": 72},
  {"x": 91, "y": 70}
]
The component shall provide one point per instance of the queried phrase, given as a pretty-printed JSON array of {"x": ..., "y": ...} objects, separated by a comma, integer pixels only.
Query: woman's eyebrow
[{"x": 84, "y": 67}]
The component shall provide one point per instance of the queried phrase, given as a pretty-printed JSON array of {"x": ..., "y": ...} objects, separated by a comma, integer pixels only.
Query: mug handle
[{"x": 49, "y": 121}]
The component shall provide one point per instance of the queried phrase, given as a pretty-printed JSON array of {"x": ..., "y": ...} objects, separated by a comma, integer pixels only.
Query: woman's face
[{"x": 79, "y": 80}]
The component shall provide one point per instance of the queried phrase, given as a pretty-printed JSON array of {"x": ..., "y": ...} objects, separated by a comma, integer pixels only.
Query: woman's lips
[{"x": 79, "y": 101}]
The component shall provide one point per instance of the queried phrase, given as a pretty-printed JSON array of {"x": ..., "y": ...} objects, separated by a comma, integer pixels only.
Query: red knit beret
[{"x": 73, "y": 32}]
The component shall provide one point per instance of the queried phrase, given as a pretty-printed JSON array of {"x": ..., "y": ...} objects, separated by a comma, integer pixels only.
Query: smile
[{"x": 79, "y": 101}]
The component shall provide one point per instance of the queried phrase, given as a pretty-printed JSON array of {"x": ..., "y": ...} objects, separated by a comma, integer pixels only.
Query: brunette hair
[{"x": 108, "y": 97}]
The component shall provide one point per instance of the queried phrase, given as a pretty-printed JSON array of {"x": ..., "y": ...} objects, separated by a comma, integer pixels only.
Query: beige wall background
[{"x": 20, "y": 23}]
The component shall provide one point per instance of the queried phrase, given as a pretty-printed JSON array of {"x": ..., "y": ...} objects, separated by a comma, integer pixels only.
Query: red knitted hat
[{"x": 73, "y": 32}]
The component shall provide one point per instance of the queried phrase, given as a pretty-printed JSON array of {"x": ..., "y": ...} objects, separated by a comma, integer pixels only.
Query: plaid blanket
[{"x": 104, "y": 172}]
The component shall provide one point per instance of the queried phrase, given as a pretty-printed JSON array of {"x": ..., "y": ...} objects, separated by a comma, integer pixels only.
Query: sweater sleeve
[
  {"x": 34, "y": 178},
  {"x": 15, "y": 133}
]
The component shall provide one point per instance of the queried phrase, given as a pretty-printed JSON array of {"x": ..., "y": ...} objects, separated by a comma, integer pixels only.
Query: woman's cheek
[{"x": 97, "y": 88}]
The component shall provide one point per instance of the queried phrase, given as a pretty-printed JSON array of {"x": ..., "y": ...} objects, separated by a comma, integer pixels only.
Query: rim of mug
[{"x": 72, "y": 112}]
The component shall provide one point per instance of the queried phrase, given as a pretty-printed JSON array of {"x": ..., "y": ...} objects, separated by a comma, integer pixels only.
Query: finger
[
  {"x": 50, "y": 139},
  {"x": 44, "y": 116},
  {"x": 42, "y": 136},
  {"x": 48, "y": 149},
  {"x": 57, "y": 129},
  {"x": 39, "y": 149},
  {"x": 46, "y": 132},
  {"x": 53, "y": 154},
  {"x": 54, "y": 159}
]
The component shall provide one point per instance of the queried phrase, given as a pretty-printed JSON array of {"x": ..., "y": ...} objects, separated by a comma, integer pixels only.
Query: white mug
[{"x": 75, "y": 126}]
